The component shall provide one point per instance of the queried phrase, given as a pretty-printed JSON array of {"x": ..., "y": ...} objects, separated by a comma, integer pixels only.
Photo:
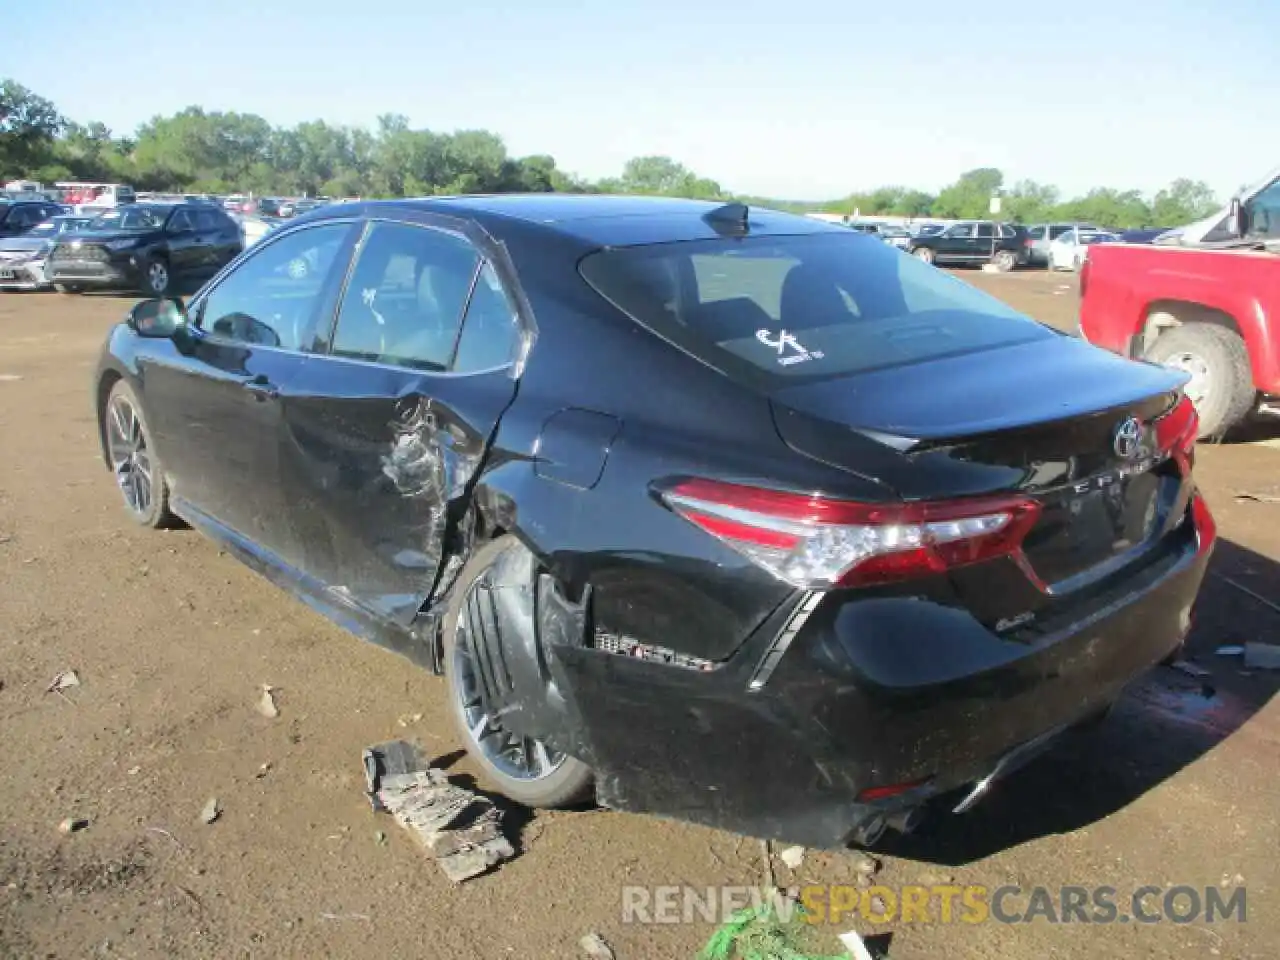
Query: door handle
[{"x": 262, "y": 388}]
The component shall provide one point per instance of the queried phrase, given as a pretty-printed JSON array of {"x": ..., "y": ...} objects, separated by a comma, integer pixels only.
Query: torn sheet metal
[{"x": 460, "y": 829}]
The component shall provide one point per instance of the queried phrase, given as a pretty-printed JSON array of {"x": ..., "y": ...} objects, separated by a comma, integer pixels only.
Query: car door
[
  {"x": 222, "y": 235},
  {"x": 186, "y": 252},
  {"x": 213, "y": 397},
  {"x": 984, "y": 241},
  {"x": 386, "y": 432},
  {"x": 956, "y": 242}
]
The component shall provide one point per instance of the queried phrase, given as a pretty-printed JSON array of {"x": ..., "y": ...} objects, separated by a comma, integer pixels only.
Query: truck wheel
[{"x": 1221, "y": 384}]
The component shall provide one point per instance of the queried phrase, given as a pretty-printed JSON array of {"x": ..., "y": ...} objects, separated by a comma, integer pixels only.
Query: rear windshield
[{"x": 783, "y": 310}]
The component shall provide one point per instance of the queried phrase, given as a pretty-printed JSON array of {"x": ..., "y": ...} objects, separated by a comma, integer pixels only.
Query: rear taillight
[
  {"x": 1177, "y": 432},
  {"x": 1206, "y": 526},
  {"x": 816, "y": 542}
]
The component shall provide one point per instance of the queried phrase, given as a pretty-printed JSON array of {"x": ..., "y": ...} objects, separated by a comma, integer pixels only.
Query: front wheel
[
  {"x": 138, "y": 472},
  {"x": 1004, "y": 261},
  {"x": 923, "y": 254},
  {"x": 155, "y": 277},
  {"x": 526, "y": 770},
  {"x": 1217, "y": 360},
  {"x": 70, "y": 288}
]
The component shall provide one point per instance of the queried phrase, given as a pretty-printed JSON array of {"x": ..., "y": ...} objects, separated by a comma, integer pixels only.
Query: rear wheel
[
  {"x": 1221, "y": 384},
  {"x": 522, "y": 768},
  {"x": 1004, "y": 260},
  {"x": 923, "y": 253},
  {"x": 67, "y": 288}
]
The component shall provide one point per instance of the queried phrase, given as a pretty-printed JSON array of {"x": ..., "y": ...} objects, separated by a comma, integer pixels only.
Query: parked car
[
  {"x": 927, "y": 229},
  {"x": 1144, "y": 235},
  {"x": 253, "y": 227},
  {"x": 849, "y": 537},
  {"x": 1042, "y": 236},
  {"x": 1068, "y": 251},
  {"x": 973, "y": 242},
  {"x": 22, "y": 258},
  {"x": 895, "y": 236},
  {"x": 145, "y": 246},
  {"x": 21, "y": 216},
  {"x": 1212, "y": 314},
  {"x": 861, "y": 226}
]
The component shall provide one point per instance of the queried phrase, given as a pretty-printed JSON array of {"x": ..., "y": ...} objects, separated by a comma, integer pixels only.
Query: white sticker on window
[{"x": 782, "y": 342}]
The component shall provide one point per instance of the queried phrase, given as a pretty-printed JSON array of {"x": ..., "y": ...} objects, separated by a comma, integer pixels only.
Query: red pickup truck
[{"x": 1212, "y": 313}]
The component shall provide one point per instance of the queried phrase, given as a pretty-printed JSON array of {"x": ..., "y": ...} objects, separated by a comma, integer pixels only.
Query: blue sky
[{"x": 804, "y": 99}]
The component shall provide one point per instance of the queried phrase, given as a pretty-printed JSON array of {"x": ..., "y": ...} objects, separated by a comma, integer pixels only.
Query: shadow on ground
[{"x": 1164, "y": 723}]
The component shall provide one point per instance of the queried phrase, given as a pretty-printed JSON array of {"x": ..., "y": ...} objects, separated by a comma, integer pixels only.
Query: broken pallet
[{"x": 460, "y": 829}]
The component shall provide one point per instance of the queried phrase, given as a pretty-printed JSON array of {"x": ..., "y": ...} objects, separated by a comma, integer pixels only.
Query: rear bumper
[{"x": 870, "y": 695}]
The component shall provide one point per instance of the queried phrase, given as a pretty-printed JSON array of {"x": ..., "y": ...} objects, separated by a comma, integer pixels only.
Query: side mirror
[
  {"x": 1235, "y": 218},
  {"x": 158, "y": 319}
]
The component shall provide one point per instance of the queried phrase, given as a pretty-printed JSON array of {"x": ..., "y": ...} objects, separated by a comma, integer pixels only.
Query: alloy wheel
[
  {"x": 130, "y": 456},
  {"x": 520, "y": 758},
  {"x": 158, "y": 277}
]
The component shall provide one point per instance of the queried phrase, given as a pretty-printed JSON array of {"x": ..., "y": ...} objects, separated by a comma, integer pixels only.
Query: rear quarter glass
[{"x": 776, "y": 311}]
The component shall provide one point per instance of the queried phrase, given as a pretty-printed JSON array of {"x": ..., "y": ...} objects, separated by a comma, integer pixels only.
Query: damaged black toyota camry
[{"x": 704, "y": 511}]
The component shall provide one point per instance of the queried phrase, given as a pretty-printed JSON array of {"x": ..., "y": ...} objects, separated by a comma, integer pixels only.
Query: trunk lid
[{"x": 1053, "y": 419}]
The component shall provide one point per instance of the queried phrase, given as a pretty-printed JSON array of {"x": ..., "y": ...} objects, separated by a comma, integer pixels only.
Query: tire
[
  {"x": 117, "y": 434},
  {"x": 570, "y": 783},
  {"x": 923, "y": 254},
  {"x": 68, "y": 288},
  {"x": 156, "y": 277},
  {"x": 1223, "y": 393},
  {"x": 1004, "y": 260}
]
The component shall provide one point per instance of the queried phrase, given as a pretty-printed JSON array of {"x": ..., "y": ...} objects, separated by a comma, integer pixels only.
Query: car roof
[{"x": 596, "y": 219}]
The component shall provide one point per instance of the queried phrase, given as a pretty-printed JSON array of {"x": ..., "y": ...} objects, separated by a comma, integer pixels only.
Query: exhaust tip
[
  {"x": 906, "y": 821},
  {"x": 869, "y": 831}
]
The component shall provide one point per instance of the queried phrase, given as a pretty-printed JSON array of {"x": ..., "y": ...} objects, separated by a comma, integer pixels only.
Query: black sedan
[
  {"x": 146, "y": 246},
  {"x": 721, "y": 513}
]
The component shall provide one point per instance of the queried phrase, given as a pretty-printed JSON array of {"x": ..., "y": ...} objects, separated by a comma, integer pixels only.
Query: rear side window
[
  {"x": 780, "y": 310},
  {"x": 985, "y": 231},
  {"x": 1058, "y": 230}
]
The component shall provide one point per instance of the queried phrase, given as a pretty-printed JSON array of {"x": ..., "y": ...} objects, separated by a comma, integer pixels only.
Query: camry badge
[{"x": 1128, "y": 439}]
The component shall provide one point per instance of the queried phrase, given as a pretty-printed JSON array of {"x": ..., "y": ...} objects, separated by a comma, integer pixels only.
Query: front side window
[
  {"x": 273, "y": 298},
  {"x": 774, "y": 311},
  {"x": 403, "y": 304}
]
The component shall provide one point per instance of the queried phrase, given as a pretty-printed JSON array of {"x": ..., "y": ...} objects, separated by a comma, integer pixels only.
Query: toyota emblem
[{"x": 1128, "y": 439}]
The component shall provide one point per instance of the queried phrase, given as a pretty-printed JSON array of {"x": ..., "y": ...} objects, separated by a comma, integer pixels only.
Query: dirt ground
[{"x": 172, "y": 641}]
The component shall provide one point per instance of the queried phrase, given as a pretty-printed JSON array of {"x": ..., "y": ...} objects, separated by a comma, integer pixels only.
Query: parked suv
[
  {"x": 973, "y": 241},
  {"x": 17, "y": 218},
  {"x": 1042, "y": 236},
  {"x": 145, "y": 246}
]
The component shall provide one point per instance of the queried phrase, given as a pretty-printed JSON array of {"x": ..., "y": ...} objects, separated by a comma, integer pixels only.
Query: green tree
[
  {"x": 970, "y": 196},
  {"x": 1182, "y": 202},
  {"x": 1028, "y": 202},
  {"x": 28, "y": 126}
]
